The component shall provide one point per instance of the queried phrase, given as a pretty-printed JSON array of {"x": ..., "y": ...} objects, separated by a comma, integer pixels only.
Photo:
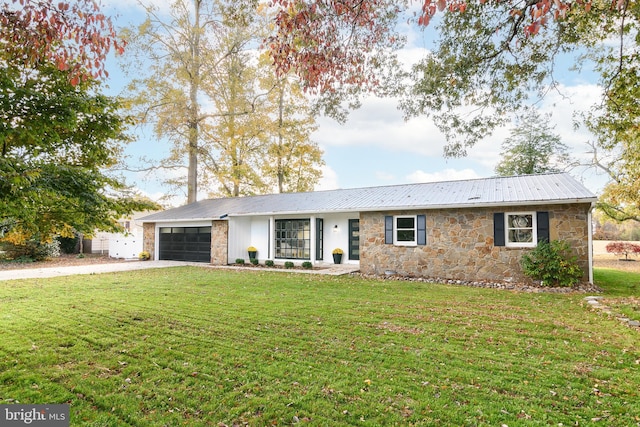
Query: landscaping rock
[{"x": 522, "y": 287}]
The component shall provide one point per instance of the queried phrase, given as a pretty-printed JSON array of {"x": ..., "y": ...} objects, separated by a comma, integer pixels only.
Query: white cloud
[
  {"x": 443, "y": 175},
  {"x": 384, "y": 176},
  {"x": 329, "y": 180},
  {"x": 379, "y": 124}
]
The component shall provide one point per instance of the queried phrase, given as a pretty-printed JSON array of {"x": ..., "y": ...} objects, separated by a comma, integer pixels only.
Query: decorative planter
[
  {"x": 253, "y": 254},
  {"x": 337, "y": 258}
]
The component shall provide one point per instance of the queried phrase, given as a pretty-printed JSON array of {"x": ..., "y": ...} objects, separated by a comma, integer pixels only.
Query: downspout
[{"x": 590, "y": 234}]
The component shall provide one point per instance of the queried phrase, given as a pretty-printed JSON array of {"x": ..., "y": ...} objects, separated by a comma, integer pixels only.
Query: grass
[
  {"x": 617, "y": 283},
  {"x": 622, "y": 291},
  {"x": 202, "y": 347}
]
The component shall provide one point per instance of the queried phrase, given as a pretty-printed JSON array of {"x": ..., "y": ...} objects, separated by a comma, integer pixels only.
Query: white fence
[{"x": 127, "y": 247}]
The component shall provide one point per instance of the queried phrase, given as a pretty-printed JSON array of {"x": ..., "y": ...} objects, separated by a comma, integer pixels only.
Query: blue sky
[{"x": 376, "y": 146}]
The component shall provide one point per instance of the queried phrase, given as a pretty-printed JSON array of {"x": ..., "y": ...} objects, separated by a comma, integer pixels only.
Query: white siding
[
  {"x": 239, "y": 238},
  {"x": 260, "y": 237},
  {"x": 337, "y": 237}
]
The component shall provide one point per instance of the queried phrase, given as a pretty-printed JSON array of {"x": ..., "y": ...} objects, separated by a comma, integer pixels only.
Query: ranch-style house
[{"x": 467, "y": 230}]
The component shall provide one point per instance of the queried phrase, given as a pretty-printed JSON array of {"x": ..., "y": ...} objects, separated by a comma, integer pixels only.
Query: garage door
[{"x": 185, "y": 244}]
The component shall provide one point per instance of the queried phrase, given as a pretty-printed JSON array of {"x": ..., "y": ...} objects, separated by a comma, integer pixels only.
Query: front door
[{"x": 354, "y": 239}]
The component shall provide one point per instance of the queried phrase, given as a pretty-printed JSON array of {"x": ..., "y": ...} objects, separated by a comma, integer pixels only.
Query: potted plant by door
[
  {"x": 253, "y": 252},
  {"x": 337, "y": 255}
]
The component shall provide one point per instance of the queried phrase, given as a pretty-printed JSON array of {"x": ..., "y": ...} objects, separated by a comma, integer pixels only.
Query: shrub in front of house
[
  {"x": 552, "y": 264},
  {"x": 254, "y": 261},
  {"x": 239, "y": 260},
  {"x": 269, "y": 263},
  {"x": 69, "y": 245},
  {"x": 288, "y": 264},
  {"x": 307, "y": 265},
  {"x": 31, "y": 249}
]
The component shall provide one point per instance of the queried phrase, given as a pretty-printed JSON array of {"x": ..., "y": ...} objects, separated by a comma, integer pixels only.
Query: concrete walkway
[{"x": 42, "y": 273}]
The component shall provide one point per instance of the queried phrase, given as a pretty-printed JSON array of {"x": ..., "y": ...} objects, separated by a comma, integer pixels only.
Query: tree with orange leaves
[{"x": 76, "y": 36}]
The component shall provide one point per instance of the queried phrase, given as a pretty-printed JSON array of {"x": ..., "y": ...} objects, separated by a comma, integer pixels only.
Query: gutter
[
  {"x": 591, "y": 200},
  {"x": 183, "y": 219},
  {"x": 590, "y": 234}
]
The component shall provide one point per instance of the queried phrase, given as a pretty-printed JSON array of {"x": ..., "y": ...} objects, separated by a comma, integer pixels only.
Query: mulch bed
[{"x": 64, "y": 260}]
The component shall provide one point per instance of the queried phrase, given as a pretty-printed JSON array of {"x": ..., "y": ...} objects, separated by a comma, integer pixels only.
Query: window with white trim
[
  {"x": 521, "y": 229},
  {"x": 405, "y": 230}
]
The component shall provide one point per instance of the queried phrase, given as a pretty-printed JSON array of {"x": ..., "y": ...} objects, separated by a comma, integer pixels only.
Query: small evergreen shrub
[
  {"x": 239, "y": 260},
  {"x": 288, "y": 264},
  {"x": 144, "y": 256},
  {"x": 307, "y": 265},
  {"x": 23, "y": 260},
  {"x": 33, "y": 249},
  {"x": 49, "y": 250},
  {"x": 68, "y": 245},
  {"x": 269, "y": 263},
  {"x": 552, "y": 263},
  {"x": 254, "y": 261}
]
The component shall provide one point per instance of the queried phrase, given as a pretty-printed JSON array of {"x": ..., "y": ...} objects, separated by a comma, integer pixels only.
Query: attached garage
[{"x": 185, "y": 244}]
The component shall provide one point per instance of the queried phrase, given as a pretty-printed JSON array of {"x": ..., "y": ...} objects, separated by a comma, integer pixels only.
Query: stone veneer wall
[
  {"x": 149, "y": 238},
  {"x": 219, "y": 237},
  {"x": 460, "y": 244}
]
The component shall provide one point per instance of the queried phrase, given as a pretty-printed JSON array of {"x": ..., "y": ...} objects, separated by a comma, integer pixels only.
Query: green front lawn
[
  {"x": 196, "y": 346},
  {"x": 617, "y": 283}
]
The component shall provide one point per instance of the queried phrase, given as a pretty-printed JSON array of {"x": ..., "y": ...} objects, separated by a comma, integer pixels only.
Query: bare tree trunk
[
  {"x": 280, "y": 139},
  {"x": 192, "y": 174}
]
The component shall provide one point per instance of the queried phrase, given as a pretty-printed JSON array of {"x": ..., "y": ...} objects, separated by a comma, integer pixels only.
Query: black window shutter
[
  {"x": 422, "y": 229},
  {"x": 543, "y": 226},
  {"x": 388, "y": 230},
  {"x": 498, "y": 229}
]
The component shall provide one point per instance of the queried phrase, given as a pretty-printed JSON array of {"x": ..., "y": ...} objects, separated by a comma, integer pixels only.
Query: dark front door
[
  {"x": 185, "y": 244},
  {"x": 354, "y": 239}
]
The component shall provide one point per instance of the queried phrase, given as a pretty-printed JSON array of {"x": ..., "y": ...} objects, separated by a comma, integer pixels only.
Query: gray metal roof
[{"x": 497, "y": 191}]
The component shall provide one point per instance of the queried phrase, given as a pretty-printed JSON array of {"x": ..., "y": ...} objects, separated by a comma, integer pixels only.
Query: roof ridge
[{"x": 496, "y": 177}]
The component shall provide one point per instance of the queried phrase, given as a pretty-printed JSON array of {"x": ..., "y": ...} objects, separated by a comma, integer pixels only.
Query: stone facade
[
  {"x": 460, "y": 243},
  {"x": 219, "y": 237},
  {"x": 149, "y": 238}
]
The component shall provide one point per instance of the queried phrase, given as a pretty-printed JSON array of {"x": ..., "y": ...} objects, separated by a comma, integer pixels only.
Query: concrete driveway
[{"x": 42, "y": 273}]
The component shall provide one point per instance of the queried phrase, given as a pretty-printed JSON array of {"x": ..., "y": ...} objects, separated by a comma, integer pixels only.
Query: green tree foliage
[
  {"x": 56, "y": 140},
  {"x": 58, "y": 135},
  {"x": 486, "y": 68},
  {"x": 491, "y": 59},
  {"x": 532, "y": 148}
]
